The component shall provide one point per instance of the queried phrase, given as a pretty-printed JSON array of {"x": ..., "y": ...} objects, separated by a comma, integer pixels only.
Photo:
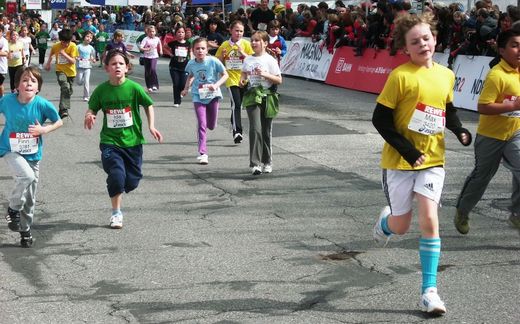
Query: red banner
[{"x": 365, "y": 73}]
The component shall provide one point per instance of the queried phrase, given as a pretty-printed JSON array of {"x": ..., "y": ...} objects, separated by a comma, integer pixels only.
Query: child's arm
[
  {"x": 72, "y": 60},
  {"x": 275, "y": 79},
  {"x": 187, "y": 86},
  {"x": 223, "y": 78},
  {"x": 497, "y": 108},
  {"x": 151, "y": 124},
  {"x": 453, "y": 124},
  {"x": 160, "y": 48},
  {"x": 37, "y": 129},
  {"x": 90, "y": 119},
  {"x": 383, "y": 121},
  {"x": 243, "y": 79},
  {"x": 49, "y": 61}
]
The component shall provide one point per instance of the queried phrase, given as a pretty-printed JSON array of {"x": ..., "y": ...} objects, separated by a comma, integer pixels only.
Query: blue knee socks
[{"x": 429, "y": 253}]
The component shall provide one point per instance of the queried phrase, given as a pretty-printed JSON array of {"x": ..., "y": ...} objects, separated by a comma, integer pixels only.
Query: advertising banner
[
  {"x": 59, "y": 4},
  {"x": 148, "y": 3},
  {"x": 306, "y": 59},
  {"x": 365, "y": 73},
  {"x": 470, "y": 73},
  {"x": 116, "y": 2},
  {"x": 34, "y": 4}
]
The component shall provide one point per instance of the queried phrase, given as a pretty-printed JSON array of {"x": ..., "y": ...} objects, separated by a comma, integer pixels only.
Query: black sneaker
[
  {"x": 237, "y": 138},
  {"x": 13, "y": 219},
  {"x": 26, "y": 239},
  {"x": 64, "y": 114}
]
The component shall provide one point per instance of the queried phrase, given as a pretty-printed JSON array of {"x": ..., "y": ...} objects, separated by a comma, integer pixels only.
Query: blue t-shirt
[
  {"x": 206, "y": 72},
  {"x": 18, "y": 117}
]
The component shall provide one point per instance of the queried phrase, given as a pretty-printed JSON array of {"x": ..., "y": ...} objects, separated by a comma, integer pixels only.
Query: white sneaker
[
  {"x": 85, "y": 98},
  {"x": 176, "y": 105},
  {"x": 154, "y": 88},
  {"x": 40, "y": 66},
  {"x": 116, "y": 221},
  {"x": 150, "y": 90},
  {"x": 203, "y": 159},
  {"x": 431, "y": 303},
  {"x": 256, "y": 170},
  {"x": 267, "y": 168},
  {"x": 379, "y": 236}
]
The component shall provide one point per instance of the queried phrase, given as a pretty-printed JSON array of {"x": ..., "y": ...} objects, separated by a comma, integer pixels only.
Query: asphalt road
[{"x": 214, "y": 244}]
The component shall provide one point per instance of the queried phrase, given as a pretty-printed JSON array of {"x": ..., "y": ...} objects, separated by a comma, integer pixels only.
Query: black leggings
[
  {"x": 236, "y": 95},
  {"x": 12, "y": 72}
]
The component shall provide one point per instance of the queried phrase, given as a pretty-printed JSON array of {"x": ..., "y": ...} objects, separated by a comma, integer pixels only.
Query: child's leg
[
  {"x": 236, "y": 106},
  {"x": 114, "y": 166},
  {"x": 212, "y": 113},
  {"x": 41, "y": 57},
  {"x": 2, "y": 79},
  {"x": 65, "y": 91},
  {"x": 267, "y": 127},
  {"x": 429, "y": 243},
  {"x": 255, "y": 136},
  {"x": 147, "y": 72},
  {"x": 154, "y": 81},
  {"x": 200, "y": 111},
  {"x": 133, "y": 158},
  {"x": 24, "y": 176},
  {"x": 27, "y": 211},
  {"x": 80, "y": 76},
  {"x": 86, "y": 83}
]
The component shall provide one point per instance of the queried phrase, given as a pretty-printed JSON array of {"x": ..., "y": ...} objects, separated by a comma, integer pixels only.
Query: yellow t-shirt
[
  {"x": 62, "y": 64},
  {"x": 502, "y": 82},
  {"x": 233, "y": 60},
  {"x": 415, "y": 91},
  {"x": 16, "y": 50}
]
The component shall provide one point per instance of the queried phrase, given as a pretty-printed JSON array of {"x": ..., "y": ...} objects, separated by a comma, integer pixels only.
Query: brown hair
[
  {"x": 262, "y": 34},
  {"x": 34, "y": 71},
  {"x": 405, "y": 22}
]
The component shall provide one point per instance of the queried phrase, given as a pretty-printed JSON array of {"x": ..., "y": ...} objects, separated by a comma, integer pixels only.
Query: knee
[
  {"x": 26, "y": 179},
  {"x": 115, "y": 183}
]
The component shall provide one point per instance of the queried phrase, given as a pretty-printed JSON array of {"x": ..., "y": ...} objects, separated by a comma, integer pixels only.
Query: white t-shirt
[
  {"x": 26, "y": 44},
  {"x": 54, "y": 34},
  {"x": 4, "y": 47},
  {"x": 266, "y": 63}
]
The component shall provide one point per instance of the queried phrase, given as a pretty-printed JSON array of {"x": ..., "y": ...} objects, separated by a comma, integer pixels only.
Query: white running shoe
[
  {"x": 176, "y": 105},
  {"x": 267, "y": 168},
  {"x": 379, "y": 236},
  {"x": 203, "y": 159},
  {"x": 431, "y": 303},
  {"x": 116, "y": 221},
  {"x": 256, "y": 170},
  {"x": 154, "y": 89},
  {"x": 40, "y": 66}
]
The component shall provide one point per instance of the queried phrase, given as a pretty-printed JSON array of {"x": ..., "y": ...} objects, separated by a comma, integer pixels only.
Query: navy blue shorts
[{"x": 123, "y": 166}]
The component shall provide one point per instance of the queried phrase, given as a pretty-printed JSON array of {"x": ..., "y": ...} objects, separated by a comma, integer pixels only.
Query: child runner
[
  {"x": 277, "y": 46},
  {"x": 262, "y": 73},
  {"x": 4, "y": 51},
  {"x": 180, "y": 56},
  {"x": 122, "y": 138},
  {"x": 21, "y": 145},
  {"x": 15, "y": 58},
  {"x": 101, "y": 42},
  {"x": 498, "y": 136},
  {"x": 27, "y": 45},
  {"x": 152, "y": 48},
  {"x": 87, "y": 56},
  {"x": 54, "y": 32},
  {"x": 411, "y": 119},
  {"x": 205, "y": 75},
  {"x": 42, "y": 37},
  {"x": 116, "y": 43},
  {"x": 232, "y": 53},
  {"x": 64, "y": 53}
]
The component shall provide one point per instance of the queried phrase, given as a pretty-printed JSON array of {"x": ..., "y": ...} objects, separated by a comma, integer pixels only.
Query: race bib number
[
  {"x": 17, "y": 55},
  {"x": 62, "y": 59},
  {"x": 514, "y": 114},
  {"x": 427, "y": 120},
  {"x": 23, "y": 143},
  {"x": 206, "y": 93},
  {"x": 84, "y": 64},
  {"x": 43, "y": 40},
  {"x": 119, "y": 118},
  {"x": 181, "y": 52},
  {"x": 234, "y": 63},
  {"x": 101, "y": 39}
]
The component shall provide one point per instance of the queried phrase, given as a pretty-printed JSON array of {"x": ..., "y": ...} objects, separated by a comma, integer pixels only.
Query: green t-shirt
[
  {"x": 41, "y": 39},
  {"x": 122, "y": 123},
  {"x": 102, "y": 39}
]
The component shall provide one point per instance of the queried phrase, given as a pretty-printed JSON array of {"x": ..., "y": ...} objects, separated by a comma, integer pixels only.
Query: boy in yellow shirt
[{"x": 65, "y": 53}]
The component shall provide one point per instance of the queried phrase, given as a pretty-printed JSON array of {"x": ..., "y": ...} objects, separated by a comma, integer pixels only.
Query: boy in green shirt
[{"x": 41, "y": 40}]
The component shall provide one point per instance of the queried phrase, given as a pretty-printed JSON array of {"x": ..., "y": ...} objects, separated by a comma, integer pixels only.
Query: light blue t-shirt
[
  {"x": 206, "y": 72},
  {"x": 18, "y": 117},
  {"x": 86, "y": 52}
]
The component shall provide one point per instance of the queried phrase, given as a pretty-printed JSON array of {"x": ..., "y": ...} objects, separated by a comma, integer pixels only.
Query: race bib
[
  {"x": 233, "y": 63},
  {"x": 427, "y": 120},
  {"x": 119, "y": 118},
  {"x": 43, "y": 40},
  {"x": 23, "y": 143},
  {"x": 84, "y": 63},
  {"x": 17, "y": 55},
  {"x": 62, "y": 59},
  {"x": 206, "y": 93},
  {"x": 514, "y": 114},
  {"x": 101, "y": 39},
  {"x": 181, "y": 52}
]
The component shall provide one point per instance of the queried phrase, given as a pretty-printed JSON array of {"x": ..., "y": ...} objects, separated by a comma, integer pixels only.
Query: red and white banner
[
  {"x": 365, "y": 73},
  {"x": 470, "y": 74},
  {"x": 34, "y": 4},
  {"x": 306, "y": 59}
]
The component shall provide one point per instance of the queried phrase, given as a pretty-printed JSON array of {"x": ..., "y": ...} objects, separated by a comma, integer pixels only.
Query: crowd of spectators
[{"x": 368, "y": 24}]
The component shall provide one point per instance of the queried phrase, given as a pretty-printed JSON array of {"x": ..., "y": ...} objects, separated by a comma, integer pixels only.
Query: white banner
[
  {"x": 129, "y": 39},
  {"x": 116, "y": 2},
  {"x": 140, "y": 3},
  {"x": 33, "y": 4},
  {"x": 305, "y": 59},
  {"x": 470, "y": 74}
]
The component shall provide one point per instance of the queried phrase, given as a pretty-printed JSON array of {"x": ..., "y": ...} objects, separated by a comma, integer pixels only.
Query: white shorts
[{"x": 400, "y": 186}]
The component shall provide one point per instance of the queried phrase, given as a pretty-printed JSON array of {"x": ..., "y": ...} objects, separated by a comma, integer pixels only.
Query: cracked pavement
[{"x": 214, "y": 244}]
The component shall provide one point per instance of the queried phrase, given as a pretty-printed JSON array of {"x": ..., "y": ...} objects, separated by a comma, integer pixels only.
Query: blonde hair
[{"x": 404, "y": 23}]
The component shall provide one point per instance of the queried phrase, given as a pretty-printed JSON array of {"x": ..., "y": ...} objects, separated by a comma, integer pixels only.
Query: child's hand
[
  {"x": 184, "y": 92},
  {"x": 37, "y": 129},
  {"x": 90, "y": 120},
  {"x": 212, "y": 87},
  {"x": 156, "y": 134},
  {"x": 47, "y": 66},
  {"x": 243, "y": 82},
  {"x": 420, "y": 161}
]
